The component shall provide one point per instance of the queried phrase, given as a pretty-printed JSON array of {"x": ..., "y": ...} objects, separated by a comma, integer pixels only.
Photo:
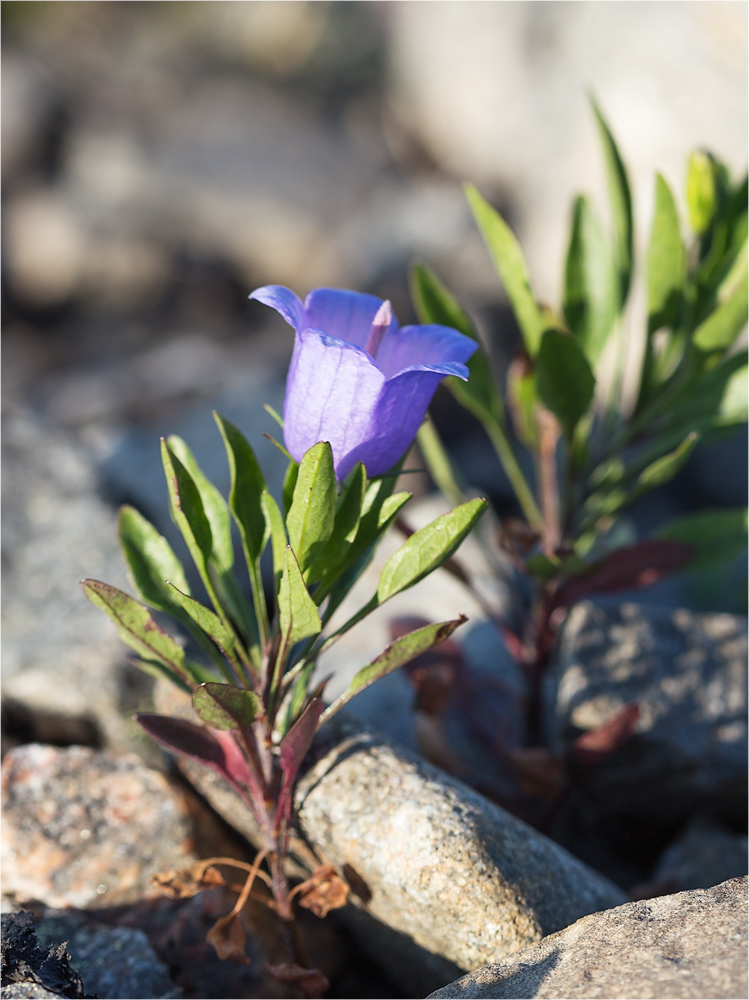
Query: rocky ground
[{"x": 159, "y": 162}]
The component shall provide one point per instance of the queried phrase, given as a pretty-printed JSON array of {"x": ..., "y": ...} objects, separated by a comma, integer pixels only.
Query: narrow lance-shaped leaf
[
  {"x": 638, "y": 565},
  {"x": 564, "y": 380},
  {"x": 591, "y": 289},
  {"x": 621, "y": 203},
  {"x": 298, "y": 614},
  {"x": 665, "y": 468},
  {"x": 428, "y": 548},
  {"x": 401, "y": 651},
  {"x": 138, "y": 629},
  {"x": 224, "y": 706},
  {"x": 247, "y": 485},
  {"x": 509, "y": 260},
  {"x": 715, "y": 536},
  {"x": 701, "y": 191},
  {"x": 722, "y": 327},
  {"x": 666, "y": 261},
  {"x": 215, "y": 748},
  {"x": 151, "y": 560},
  {"x": 289, "y": 485},
  {"x": 214, "y": 506},
  {"x": 378, "y": 513},
  {"x": 345, "y": 526},
  {"x": 435, "y": 304},
  {"x": 278, "y": 539},
  {"x": 187, "y": 509},
  {"x": 292, "y": 750},
  {"x": 209, "y": 622},
  {"x": 312, "y": 514}
]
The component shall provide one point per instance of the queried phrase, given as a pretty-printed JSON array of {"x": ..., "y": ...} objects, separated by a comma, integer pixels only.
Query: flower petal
[
  {"x": 331, "y": 392},
  {"x": 284, "y": 301},
  {"x": 431, "y": 345},
  {"x": 395, "y": 419},
  {"x": 343, "y": 314}
]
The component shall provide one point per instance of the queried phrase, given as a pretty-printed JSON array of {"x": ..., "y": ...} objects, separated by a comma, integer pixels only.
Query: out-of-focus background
[{"x": 161, "y": 160}]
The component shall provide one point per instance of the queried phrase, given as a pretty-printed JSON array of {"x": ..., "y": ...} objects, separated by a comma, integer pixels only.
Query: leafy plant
[
  {"x": 253, "y": 690},
  {"x": 594, "y": 451}
]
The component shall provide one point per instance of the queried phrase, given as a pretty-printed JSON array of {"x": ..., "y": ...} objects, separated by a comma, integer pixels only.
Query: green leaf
[
  {"x": 441, "y": 469},
  {"x": 522, "y": 397},
  {"x": 274, "y": 518},
  {"x": 208, "y": 621},
  {"x": 702, "y": 400},
  {"x": 247, "y": 485},
  {"x": 509, "y": 260},
  {"x": 379, "y": 510},
  {"x": 224, "y": 706},
  {"x": 716, "y": 536},
  {"x": 312, "y": 513},
  {"x": 702, "y": 198},
  {"x": 138, "y": 629},
  {"x": 621, "y": 203},
  {"x": 666, "y": 261},
  {"x": 734, "y": 406},
  {"x": 428, "y": 548},
  {"x": 298, "y": 614},
  {"x": 564, "y": 379},
  {"x": 348, "y": 512},
  {"x": 666, "y": 467},
  {"x": 289, "y": 483},
  {"x": 591, "y": 283},
  {"x": 435, "y": 304},
  {"x": 401, "y": 651},
  {"x": 722, "y": 327},
  {"x": 187, "y": 508},
  {"x": 151, "y": 560},
  {"x": 214, "y": 505}
]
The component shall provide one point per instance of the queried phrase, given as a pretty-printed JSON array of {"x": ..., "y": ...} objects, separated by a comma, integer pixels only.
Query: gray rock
[
  {"x": 689, "y": 945},
  {"x": 704, "y": 854},
  {"x": 687, "y": 673},
  {"x": 87, "y": 828},
  {"x": 113, "y": 962},
  {"x": 62, "y": 660},
  {"x": 28, "y": 991},
  {"x": 445, "y": 879}
]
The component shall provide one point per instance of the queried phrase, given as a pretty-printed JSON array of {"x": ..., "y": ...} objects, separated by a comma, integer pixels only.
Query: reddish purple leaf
[
  {"x": 596, "y": 744},
  {"x": 212, "y": 747},
  {"x": 639, "y": 565},
  {"x": 293, "y": 748}
]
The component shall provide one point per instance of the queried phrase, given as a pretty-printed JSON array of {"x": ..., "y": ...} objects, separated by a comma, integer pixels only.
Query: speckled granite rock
[
  {"x": 445, "y": 879},
  {"x": 687, "y": 673},
  {"x": 87, "y": 828},
  {"x": 64, "y": 667},
  {"x": 689, "y": 945},
  {"x": 704, "y": 854},
  {"x": 113, "y": 962}
]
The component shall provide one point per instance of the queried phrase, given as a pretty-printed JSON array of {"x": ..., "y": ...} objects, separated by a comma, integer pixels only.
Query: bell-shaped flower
[{"x": 356, "y": 378}]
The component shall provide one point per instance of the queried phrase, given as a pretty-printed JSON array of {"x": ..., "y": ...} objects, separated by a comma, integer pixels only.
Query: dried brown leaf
[
  {"x": 228, "y": 938},
  {"x": 311, "y": 982},
  {"x": 182, "y": 883},
  {"x": 323, "y": 891}
]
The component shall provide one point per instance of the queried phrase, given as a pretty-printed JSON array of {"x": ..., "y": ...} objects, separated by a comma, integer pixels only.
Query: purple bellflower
[{"x": 356, "y": 378}]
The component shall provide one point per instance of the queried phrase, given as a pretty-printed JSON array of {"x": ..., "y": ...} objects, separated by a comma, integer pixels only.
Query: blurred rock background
[{"x": 161, "y": 160}]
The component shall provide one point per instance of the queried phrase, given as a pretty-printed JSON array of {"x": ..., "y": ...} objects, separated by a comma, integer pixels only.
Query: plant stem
[{"x": 515, "y": 475}]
